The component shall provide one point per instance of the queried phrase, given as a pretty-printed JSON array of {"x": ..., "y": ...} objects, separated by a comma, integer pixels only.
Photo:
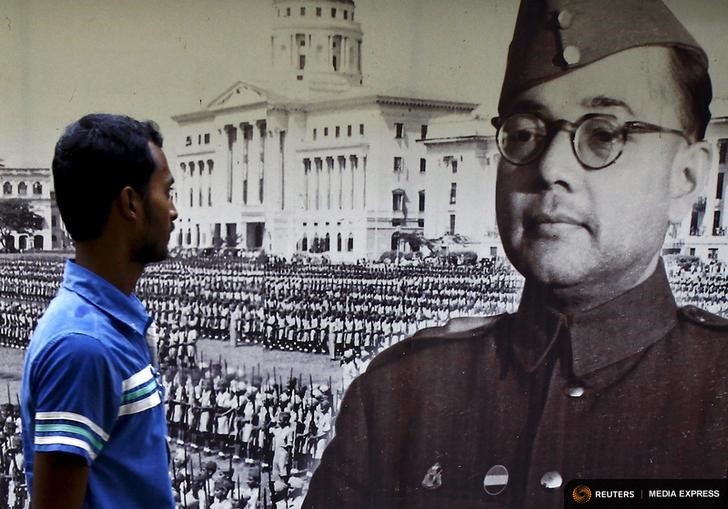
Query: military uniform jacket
[{"x": 635, "y": 388}]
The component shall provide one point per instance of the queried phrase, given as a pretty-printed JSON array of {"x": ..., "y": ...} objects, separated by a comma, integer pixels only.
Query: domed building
[{"x": 314, "y": 160}]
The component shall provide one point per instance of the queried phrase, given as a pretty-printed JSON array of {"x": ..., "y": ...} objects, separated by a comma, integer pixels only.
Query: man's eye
[
  {"x": 603, "y": 136},
  {"x": 521, "y": 136}
]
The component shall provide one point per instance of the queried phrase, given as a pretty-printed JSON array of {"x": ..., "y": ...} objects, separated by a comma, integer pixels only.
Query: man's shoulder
[
  {"x": 68, "y": 314},
  {"x": 464, "y": 334},
  {"x": 703, "y": 319}
]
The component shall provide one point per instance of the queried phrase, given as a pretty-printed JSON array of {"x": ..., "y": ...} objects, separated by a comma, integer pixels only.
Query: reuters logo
[{"x": 582, "y": 494}]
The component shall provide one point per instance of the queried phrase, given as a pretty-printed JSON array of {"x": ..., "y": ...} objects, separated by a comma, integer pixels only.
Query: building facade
[
  {"x": 462, "y": 160},
  {"x": 35, "y": 186},
  {"x": 314, "y": 161}
]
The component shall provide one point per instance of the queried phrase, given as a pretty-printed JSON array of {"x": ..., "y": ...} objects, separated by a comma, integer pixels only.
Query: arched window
[
  {"x": 22, "y": 189},
  {"x": 188, "y": 239},
  {"x": 350, "y": 244},
  {"x": 183, "y": 167},
  {"x": 37, "y": 188},
  {"x": 327, "y": 243},
  {"x": 338, "y": 242},
  {"x": 201, "y": 166},
  {"x": 210, "y": 164},
  {"x": 304, "y": 244},
  {"x": 7, "y": 188}
]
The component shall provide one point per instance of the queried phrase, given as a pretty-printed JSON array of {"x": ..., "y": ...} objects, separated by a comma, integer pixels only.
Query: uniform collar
[
  {"x": 128, "y": 309},
  {"x": 599, "y": 337}
]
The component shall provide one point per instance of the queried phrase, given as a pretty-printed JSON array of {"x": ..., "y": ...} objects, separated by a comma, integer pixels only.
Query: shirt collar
[
  {"x": 599, "y": 337},
  {"x": 128, "y": 309}
]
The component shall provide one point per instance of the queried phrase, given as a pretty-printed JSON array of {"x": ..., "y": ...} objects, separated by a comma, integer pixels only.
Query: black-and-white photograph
[{"x": 360, "y": 253}]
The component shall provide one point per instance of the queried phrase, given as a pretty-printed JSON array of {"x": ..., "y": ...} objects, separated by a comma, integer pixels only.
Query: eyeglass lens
[{"x": 597, "y": 141}]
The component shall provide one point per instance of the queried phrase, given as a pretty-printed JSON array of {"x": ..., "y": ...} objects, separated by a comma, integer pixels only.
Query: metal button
[
  {"x": 571, "y": 55},
  {"x": 551, "y": 480},
  {"x": 495, "y": 480},
  {"x": 565, "y": 18},
  {"x": 575, "y": 392}
]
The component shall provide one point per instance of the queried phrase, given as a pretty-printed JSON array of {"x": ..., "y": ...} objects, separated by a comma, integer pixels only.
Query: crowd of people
[{"x": 275, "y": 428}]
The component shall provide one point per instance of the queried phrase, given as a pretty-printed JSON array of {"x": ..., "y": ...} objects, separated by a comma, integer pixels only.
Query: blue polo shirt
[{"x": 89, "y": 389}]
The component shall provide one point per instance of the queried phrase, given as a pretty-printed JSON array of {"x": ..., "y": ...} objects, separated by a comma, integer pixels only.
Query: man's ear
[
  {"x": 129, "y": 203},
  {"x": 688, "y": 176}
]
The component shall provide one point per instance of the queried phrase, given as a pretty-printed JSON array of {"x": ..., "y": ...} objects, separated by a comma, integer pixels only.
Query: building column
[{"x": 231, "y": 133}]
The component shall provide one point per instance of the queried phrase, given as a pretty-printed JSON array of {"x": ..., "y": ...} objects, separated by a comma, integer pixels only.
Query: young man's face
[
  {"x": 571, "y": 227},
  {"x": 159, "y": 211}
]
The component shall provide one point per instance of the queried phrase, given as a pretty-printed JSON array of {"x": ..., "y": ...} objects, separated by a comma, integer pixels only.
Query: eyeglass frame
[{"x": 556, "y": 125}]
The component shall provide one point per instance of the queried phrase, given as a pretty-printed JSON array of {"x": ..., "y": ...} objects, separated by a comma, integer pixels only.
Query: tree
[
  {"x": 232, "y": 239},
  {"x": 17, "y": 216}
]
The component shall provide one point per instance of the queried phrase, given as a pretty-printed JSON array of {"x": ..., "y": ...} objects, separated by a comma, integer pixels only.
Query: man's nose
[{"x": 558, "y": 164}]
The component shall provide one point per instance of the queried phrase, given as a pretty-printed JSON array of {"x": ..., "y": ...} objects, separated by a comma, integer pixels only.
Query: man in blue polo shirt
[{"x": 94, "y": 430}]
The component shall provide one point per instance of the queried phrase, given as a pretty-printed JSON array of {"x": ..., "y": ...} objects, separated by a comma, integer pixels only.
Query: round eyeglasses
[{"x": 597, "y": 139}]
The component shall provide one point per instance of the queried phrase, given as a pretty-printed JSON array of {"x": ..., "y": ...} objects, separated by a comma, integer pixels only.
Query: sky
[{"x": 153, "y": 59}]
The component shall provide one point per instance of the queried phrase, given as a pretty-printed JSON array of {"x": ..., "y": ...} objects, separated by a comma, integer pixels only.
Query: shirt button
[
  {"x": 551, "y": 480},
  {"x": 565, "y": 18},
  {"x": 571, "y": 55},
  {"x": 575, "y": 392}
]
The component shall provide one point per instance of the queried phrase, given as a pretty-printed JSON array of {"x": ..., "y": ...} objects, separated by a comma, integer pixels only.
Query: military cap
[{"x": 555, "y": 37}]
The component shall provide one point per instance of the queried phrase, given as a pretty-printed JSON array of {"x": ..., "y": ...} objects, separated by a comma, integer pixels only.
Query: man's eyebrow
[{"x": 602, "y": 101}]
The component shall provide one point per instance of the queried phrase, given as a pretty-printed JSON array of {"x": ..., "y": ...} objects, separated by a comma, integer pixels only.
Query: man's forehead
[
  {"x": 555, "y": 37},
  {"x": 161, "y": 161},
  {"x": 633, "y": 83}
]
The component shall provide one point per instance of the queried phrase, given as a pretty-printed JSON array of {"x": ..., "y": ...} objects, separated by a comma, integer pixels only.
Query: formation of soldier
[
  {"x": 276, "y": 429},
  {"x": 13, "y": 493},
  {"x": 261, "y": 424},
  {"x": 308, "y": 308},
  {"x": 331, "y": 309}
]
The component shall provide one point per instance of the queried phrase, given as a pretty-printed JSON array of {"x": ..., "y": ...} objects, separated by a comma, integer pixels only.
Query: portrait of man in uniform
[{"x": 599, "y": 374}]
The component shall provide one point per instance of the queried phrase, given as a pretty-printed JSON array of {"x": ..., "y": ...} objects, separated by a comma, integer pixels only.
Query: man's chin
[
  {"x": 555, "y": 269},
  {"x": 147, "y": 256}
]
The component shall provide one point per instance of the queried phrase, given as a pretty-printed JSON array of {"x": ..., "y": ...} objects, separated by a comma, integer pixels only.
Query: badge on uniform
[{"x": 433, "y": 477}]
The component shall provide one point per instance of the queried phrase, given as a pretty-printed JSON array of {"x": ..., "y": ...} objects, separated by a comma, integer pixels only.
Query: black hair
[
  {"x": 695, "y": 88},
  {"x": 95, "y": 158}
]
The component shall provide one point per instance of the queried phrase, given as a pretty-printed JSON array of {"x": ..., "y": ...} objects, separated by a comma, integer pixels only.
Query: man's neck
[
  {"x": 110, "y": 264},
  {"x": 583, "y": 297}
]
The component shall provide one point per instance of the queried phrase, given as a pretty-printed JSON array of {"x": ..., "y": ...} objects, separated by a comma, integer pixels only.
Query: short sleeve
[{"x": 77, "y": 394}]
